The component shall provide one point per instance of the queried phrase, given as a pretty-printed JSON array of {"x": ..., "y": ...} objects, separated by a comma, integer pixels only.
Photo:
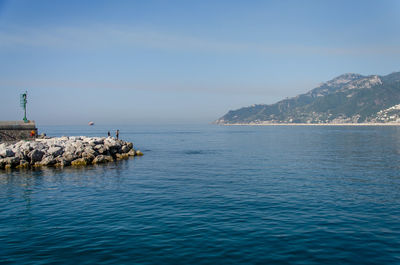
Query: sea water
[{"x": 212, "y": 195}]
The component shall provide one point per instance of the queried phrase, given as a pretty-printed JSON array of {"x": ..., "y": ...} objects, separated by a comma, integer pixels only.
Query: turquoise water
[{"x": 213, "y": 195}]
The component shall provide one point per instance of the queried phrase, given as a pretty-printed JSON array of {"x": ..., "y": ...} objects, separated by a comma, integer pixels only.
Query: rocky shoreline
[{"x": 64, "y": 151}]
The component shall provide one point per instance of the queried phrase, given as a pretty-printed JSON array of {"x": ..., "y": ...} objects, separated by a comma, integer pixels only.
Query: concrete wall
[{"x": 16, "y": 130}]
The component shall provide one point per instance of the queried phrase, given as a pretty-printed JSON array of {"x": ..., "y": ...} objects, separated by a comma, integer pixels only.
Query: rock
[
  {"x": 102, "y": 159},
  {"x": 6, "y": 152},
  {"x": 112, "y": 145},
  {"x": 138, "y": 153},
  {"x": 48, "y": 161},
  {"x": 88, "y": 157},
  {"x": 23, "y": 164},
  {"x": 109, "y": 158},
  {"x": 35, "y": 156},
  {"x": 69, "y": 156},
  {"x": 20, "y": 155},
  {"x": 125, "y": 149},
  {"x": 131, "y": 152},
  {"x": 99, "y": 159},
  {"x": 26, "y": 147},
  {"x": 55, "y": 151},
  {"x": 130, "y": 145},
  {"x": 121, "y": 156},
  {"x": 61, "y": 162},
  {"x": 103, "y": 151},
  {"x": 11, "y": 162},
  {"x": 98, "y": 147},
  {"x": 69, "y": 148},
  {"x": 79, "y": 162},
  {"x": 89, "y": 150}
]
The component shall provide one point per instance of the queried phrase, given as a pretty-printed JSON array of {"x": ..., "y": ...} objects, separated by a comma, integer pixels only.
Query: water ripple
[{"x": 213, "y": 195}]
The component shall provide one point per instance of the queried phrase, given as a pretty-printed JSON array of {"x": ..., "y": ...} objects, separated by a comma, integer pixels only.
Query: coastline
[{"x": 310, "y": 124}]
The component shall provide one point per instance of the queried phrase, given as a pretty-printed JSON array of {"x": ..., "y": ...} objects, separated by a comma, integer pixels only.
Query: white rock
[
  {"x": 7, "y": 152},
  {"x": 55, "y": 151}
]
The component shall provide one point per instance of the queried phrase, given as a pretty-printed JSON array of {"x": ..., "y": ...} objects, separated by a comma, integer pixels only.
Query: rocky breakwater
[{"x": 64, "y": 151}]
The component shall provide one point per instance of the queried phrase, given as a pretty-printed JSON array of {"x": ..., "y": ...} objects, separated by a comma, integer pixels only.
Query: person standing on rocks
[
  {"x": 108, "y": 133},
  {"x": 117, "y": 134}
]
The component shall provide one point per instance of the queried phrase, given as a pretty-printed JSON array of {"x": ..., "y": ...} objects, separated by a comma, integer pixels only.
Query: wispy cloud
[{"x": 104, "y": 37}]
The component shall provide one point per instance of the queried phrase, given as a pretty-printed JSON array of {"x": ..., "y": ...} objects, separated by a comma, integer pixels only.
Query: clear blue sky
[{"x": 127, "y": 62}]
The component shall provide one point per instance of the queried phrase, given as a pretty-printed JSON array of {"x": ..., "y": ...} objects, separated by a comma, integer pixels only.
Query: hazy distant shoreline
[{"x": 311, "y": 124}]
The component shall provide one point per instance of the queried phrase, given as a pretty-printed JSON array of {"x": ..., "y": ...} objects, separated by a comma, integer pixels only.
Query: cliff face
[{"x": 349, "y": 98}]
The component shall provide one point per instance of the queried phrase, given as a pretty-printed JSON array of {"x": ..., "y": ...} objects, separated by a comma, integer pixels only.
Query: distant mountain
[{"x": 349, "y": 98}]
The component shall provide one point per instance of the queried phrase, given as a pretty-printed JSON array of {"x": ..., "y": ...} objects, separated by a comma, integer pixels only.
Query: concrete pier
[{"x": 16, "y": 130}]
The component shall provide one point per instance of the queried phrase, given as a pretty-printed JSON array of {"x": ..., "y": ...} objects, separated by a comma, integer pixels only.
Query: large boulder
[
  {"x": 11, "y": 162},
  {"x": 35, "y": 156},
  {"x": 26, "y": 147},
  {"x": 48, "y": 160},
  {"x": 88, "y": 157},
  {"x": 89, "y": 150},
  {"x": 102, "y": 150},
  {"x": 102, "y": 159},
  {"x": 121, "y": 156},
  {"x": 125, "y": 149},
  {"x": 99, "y": 159},
  {"x": 62, "y": 162},
  {"x": 70, "y": 148},
  {"x": 79, "y": 162},
  {"x": 79, "y": 148},
  {"x": 21, "y": 155},
  {"x": 69, "y": 156},
  {"x": 112, "y": 145},
  {"x": 55, "y": 151},
  {"x": 98, "y": 146},
  {"x": 6, "y": 152}
]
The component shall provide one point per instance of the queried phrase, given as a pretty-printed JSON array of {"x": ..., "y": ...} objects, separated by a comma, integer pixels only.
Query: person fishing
[{"x": 117, "y": 134}]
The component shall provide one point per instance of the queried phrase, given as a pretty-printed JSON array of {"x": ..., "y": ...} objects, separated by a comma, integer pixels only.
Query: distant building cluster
[{"x": 391, "y": 114}]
